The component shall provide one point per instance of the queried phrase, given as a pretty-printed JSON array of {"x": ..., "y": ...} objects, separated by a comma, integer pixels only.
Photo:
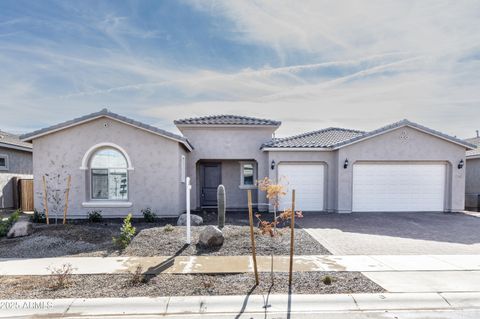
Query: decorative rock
[
  {"x": 20, "y": 229},
  {"x": 211, "y": 236},
  {"x": 195, "y": 220}
]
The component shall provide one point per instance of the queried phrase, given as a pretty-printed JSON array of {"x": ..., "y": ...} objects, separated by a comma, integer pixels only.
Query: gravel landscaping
[
  {"x": 152, "y": 239},
  {"x": 95, "y": 286}
]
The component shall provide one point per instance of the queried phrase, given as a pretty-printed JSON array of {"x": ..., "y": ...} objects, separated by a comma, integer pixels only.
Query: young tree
[{"x": 274, "y": 192}]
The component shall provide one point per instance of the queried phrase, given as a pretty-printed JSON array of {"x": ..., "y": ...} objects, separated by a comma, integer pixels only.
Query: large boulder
[
  {"x": 195, "y": 220},
  {"x": 20, "y": 229},
  {"x": 211, "y": 236}
]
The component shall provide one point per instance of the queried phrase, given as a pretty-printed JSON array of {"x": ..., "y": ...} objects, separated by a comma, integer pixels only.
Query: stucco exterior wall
[
  {"x": 403, "y": 144},
  {"x": 154, "y": 182},
  {"x": 227, "y": 143},
  {"x": 472, "y": 183},
  {"x": 20, "y": 166},
  {"x": 327, "y": 158},
  {"x": 236, "y": 196}
]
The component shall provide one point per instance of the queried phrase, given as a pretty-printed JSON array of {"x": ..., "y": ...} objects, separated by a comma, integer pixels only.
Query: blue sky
[{"x": 310, "y": 64}]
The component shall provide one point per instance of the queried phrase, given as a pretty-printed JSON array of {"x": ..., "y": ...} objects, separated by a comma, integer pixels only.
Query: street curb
[{"x": 238, "y": 305}]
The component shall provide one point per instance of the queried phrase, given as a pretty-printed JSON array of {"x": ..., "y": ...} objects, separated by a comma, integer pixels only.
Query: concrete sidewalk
[
  {"x": 244, "y": 306},
  {"x": 240, "y": 264}
]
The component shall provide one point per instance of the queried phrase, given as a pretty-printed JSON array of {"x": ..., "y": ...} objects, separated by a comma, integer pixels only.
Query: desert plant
[
  {"x": 148, "y": 215},
  {"x": 4, "y": 228},
  {"x": 222, "y": 203},
  {"x": 282, "y": 220},
  {"x": 7, "y": 223},
  {"x": 168, "y": 228},
  {"x": 137, "y": 277},
  {"x": 95, "y": 216},
  {"x": 126, "y": 233},
  {"x": 38, "y": 217},
  {"x": 327, "y": 280},
  {"x": 62, "y": 276}
]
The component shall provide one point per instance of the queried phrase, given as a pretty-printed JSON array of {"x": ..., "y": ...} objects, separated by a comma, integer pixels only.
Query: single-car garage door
[
  {"x": 384, "y": 187},
  {"x": 308, "y": 182}
]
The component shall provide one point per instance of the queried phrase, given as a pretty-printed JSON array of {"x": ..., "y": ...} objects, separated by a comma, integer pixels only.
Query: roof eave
[
  {"x": 298, "y": 149},
  {"x": 228, "y": 125},
  {"x": 29, "y": 137},
  {"x": 15, "y": 147}
]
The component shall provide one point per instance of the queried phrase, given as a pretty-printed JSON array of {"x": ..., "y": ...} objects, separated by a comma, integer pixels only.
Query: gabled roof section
[
  {"x": 105, "y": 113},
  {"x": 408, "y": 123},
  {"x": 9, "y": 140},
  {"x": 475, "y": 152},
  {"x": 222, "y": 120},
  {"x": 325, "y": 138},
  {"x": 334, "y": 138}
]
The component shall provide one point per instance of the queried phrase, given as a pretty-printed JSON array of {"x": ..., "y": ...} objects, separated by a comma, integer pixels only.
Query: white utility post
[{"x": 188, "y": 188}]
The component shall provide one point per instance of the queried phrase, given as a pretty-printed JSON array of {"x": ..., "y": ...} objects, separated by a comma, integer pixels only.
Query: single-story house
[
  {"x": 119, "y": 165},
  {"x": 472, "y": 179},
  {"x": 15, "y": 163}
]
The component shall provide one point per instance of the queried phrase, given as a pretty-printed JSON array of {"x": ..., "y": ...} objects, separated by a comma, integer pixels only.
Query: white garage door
[
  {"x": 398, "y": 187},
  {"x": 308, "y": 182}
]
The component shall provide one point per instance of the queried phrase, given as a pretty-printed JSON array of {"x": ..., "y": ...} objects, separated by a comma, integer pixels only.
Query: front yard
[
  {"x": 152, "y": 239},
  {"x": 96, "y": 286},
  {"x": 161, "y": 239}
]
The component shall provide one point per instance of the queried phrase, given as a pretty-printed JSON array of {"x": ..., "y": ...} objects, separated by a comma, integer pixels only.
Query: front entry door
[{"x": 211, "y": 178}]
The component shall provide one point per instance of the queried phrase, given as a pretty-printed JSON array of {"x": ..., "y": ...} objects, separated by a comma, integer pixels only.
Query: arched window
[{"x": 109, "y": 175}]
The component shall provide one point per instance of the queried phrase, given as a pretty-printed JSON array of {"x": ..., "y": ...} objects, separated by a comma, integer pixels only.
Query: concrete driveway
[{"x": 395, "y": 233}]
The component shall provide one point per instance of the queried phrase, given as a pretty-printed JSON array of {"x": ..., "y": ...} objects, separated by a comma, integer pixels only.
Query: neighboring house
[
  {"x": 15, "y": 162},
  {"x": 472, "y": 180},
  {"x": 119, "y": 165}
]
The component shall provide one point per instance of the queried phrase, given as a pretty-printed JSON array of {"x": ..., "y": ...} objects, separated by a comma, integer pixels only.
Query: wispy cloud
[{"x": 310, "y": 64}]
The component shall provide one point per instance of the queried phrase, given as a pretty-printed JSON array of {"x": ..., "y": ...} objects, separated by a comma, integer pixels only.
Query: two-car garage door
[
  {"x": 386, "y": 187},
  {"x": 377, "y": 187}
]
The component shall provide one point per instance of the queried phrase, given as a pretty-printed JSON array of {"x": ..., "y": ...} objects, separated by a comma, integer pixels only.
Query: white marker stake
[{"x": 189, "y": 187}]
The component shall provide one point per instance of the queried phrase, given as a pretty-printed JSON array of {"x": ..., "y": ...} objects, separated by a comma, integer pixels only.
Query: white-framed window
[
  {"x": 108, "y": 175},
  {"x": 3, "y": 162},
  {"x": 248, "y": 174},
  {"x": 183, "y": 172}
]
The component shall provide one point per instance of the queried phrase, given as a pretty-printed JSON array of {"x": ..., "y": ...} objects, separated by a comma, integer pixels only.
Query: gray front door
[{"x": 211, "y": 174}]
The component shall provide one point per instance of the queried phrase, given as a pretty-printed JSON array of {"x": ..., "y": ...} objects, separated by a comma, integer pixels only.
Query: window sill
[
  {"x": 106, "y": 204},
  {"x": 247, "y": 187}
]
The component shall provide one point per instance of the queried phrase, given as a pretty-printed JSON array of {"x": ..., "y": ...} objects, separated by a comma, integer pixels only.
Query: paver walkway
[{"x": 240, "y": 264}]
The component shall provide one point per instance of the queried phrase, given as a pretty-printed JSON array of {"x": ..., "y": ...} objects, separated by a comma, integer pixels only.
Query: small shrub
[
  {"x": 7, "y": 223},
  {"x": 126, "y": 233},
  {"x": 207, "y": 282},
  {"x": 62, "y": 276},
  {"x": 327, "y": 280},
  {"x": 38, "y": 217},
  {"x": 168, "y": 228},
  {"x": 4, "y": 228},
  {"x": 95, "y": 216},
  {"x": 148, "y": 215},
  {"x": 12, "y": 219},
  {"x": 137, "y": 277}
]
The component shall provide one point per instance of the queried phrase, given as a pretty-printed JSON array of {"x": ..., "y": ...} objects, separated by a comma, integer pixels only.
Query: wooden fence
[{"x": 25, "y": 192}]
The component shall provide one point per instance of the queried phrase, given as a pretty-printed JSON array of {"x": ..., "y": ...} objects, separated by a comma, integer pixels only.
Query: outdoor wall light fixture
[
  {"x": 272, "y": 165},
  {"x": 460, "y": 165},
  {"x": 345, "y": 165}
]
